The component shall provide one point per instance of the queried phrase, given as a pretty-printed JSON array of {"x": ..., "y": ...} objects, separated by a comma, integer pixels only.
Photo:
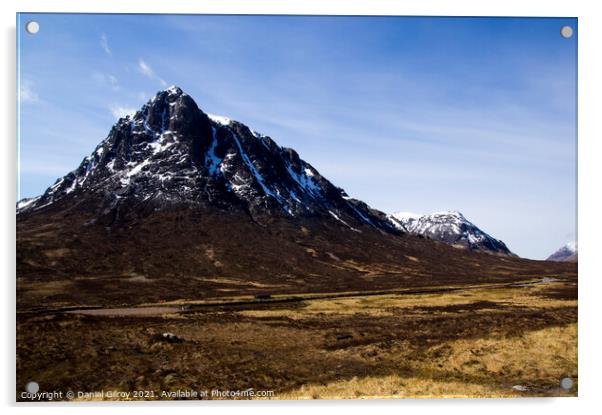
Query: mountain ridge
[
  {"x": 450, "y": 227},
  {"x": 170, "y": 151}
]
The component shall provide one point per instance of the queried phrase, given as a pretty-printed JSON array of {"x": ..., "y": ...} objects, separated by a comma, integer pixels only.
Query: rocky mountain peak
[{"x": 171, "y": 152}]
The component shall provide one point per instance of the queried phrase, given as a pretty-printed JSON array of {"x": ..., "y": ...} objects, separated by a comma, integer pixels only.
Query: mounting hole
[
  {"x": 32, "y": 27},
  {"x": 566, "y": 32},
  {"x": 566, "y": 383},
  {"x": 32, "y": 387}
]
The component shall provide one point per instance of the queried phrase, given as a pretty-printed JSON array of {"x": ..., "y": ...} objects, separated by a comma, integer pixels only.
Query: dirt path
[
  {"x": 128, "y": 311},
  {"x": 159, "y": 310}
]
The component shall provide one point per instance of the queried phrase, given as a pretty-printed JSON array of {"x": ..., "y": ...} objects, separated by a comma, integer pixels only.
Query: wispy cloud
[
  {"x": 26, "y": 92},
  {"x": 119, "y": 111},
  {"x": 106, "y": 80},
  {"x": 145, "y": 69},
  {"x": 104, "y": 44}
]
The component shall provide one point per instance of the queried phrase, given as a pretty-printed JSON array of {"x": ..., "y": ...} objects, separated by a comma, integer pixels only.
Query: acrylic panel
[{"x": 295, "y": 207}]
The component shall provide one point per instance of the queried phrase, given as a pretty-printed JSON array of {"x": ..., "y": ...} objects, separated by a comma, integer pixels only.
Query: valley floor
[{"x": 505, "y": 340}]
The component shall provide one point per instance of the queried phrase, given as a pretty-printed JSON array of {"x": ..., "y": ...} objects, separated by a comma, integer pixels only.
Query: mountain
[
  {"x": 450, "y": 227},
  {"x": 178, "y": 204},
  {"x": 171, "y": 153},
  {"x": 568, "y": 253}
]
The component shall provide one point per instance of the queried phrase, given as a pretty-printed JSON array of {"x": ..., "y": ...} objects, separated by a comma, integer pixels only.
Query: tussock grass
[
  {"x": 536, "y": 358},
  {"x": 395, "y": 386}
]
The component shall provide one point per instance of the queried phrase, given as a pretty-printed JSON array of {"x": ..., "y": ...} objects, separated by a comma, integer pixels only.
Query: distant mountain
[
  {"x": 568, "y": 253},
  {"x": 450, "y": 227}
]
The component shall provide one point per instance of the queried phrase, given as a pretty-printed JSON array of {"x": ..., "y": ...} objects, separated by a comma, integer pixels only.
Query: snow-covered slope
[
  {"x": 568, "y": 253},
  {"x": 172, "y": 153},
  {"x": 450, "y": 227}
]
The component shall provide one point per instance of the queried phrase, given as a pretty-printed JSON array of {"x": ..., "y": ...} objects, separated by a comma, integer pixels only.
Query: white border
[{"x": 590, "y": 207}]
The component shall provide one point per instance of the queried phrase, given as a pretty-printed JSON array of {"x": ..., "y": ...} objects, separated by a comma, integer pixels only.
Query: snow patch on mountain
[
  {"x": 211, "y": 160},
  {"x": 220, "y": 119},
  {"x": 23, "y": 203},
  {"x": 406, "y": 215},
  {"x": 571, "y": 246},
  {"x": 450, "y": 227}
]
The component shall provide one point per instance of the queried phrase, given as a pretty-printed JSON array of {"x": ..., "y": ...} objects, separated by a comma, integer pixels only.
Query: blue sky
[{"x": 406, "y": 113}]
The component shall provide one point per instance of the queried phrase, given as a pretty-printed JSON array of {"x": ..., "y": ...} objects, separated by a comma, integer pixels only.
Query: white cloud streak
[
  {"x": 106, "y": 80},
  {"x": 104, "y": 44},
  {"x": 145, "y": 69},
  {"x": 26, "y": 93},
  {"x": 119, "y": 111}
]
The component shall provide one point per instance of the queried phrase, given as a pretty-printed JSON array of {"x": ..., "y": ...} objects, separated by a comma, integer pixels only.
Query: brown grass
[
  {"x": 548, "y": 354},
  {"x": 57, "y": 253},
  {"x": 395, "y": 386},
  {"x": 476, "y": 342}
]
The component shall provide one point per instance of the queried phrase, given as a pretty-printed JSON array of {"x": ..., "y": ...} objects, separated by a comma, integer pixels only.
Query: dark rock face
[
  {"x": 170, "y": 153},
  {"x": 449, "y": 227}
]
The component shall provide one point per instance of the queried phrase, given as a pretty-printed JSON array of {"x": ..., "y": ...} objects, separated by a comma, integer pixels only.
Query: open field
[{"x": 493, "y": 340}]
